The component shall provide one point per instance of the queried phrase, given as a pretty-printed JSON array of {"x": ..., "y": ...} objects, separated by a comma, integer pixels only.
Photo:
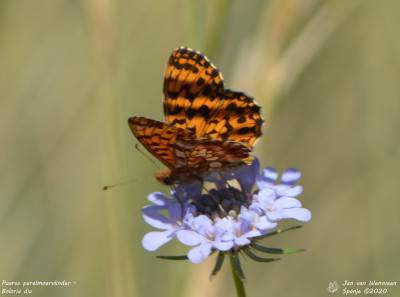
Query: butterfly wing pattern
[
  {"x": 195, "y": 99},
  {"x": 206, "y": 128}
]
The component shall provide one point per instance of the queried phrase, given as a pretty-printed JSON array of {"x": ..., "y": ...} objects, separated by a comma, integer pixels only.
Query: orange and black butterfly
[{"x": 206, "y": 129}]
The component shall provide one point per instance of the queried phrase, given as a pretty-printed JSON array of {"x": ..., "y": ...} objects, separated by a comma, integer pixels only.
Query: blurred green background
[{"x": 326, "y": 74}]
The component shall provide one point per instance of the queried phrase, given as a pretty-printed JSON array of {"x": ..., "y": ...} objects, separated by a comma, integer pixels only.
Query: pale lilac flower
[
  {"x": 171, "y": 225},
  {"x": 267, "y": 180},
  {"x": 225, "y": 219},
  {"x": 281, "y": 208},
  {"x": 255, "y": 218},
  {"x": 206, "y": 236},
  {"x": 276, "y": 200}
]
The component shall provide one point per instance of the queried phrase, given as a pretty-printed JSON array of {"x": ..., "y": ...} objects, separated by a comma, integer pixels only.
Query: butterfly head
[
  {"x": 169, "y": 178},
  {"x": 165, "y": 177}
]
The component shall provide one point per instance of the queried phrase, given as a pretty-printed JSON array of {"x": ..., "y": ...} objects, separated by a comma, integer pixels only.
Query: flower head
[{"x": 225, "y": 219}]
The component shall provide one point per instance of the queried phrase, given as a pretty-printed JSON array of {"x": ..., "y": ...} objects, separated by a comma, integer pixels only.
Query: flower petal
[
  {"x": 175, "y": 212},
  {"x": 246, "y": 176},
  {"x": 287, "y": 202},
  {"x": 203, "y": 225},
  {"x": 255, "y": 233},
  {"x": 265, "y": 224},
  {"x": 198, "y": 254},
  {"x": 290, "y": 176},
  {"x": 241, "y": 241},
  {"x": 223, "y": 245},
  {"x": 266, "y": 196},
  {"x": 291, "y": 192},
  {"x": 190, "y": 238},
  {"x": 269, "y": 175},
  {"x": 159, "y": 199},
  {"x": 153, "y": 240},
  {"x": 274, "y": 216},
  {"x": 156, "y": 219},
  {"x": 300, "y": 214}
]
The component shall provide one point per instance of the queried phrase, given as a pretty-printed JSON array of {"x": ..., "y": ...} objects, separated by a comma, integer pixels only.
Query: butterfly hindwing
[
  {"x": 157, "y": 137},
  {"x": 203, "y": 155},
  {"x": 182, "y": 150}
]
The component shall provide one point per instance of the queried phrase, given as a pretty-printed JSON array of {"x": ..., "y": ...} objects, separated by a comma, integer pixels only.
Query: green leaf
[
  {"x": 183, "y": 257},
  {"x": 238, "y": 268},
  {"x": 253, "y": 256},
  {"x": 218, "y": 265},
  {"x": 280, "y": 231},
  {"x": 269, "y": 250}
]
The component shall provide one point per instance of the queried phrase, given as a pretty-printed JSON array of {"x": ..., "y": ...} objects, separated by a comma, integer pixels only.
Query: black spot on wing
[
  {"x": 175, "y": 111},
  {"x": 178, "y": 121},
  {"x": 205, "y": 112},
  {"x": 207, "y": 90},
  {"x": 243, "y": 130},
  {"x": 240, "y": 111},
  {"x": 200, "y": 81},
  {"x": 241, "y": 120}
]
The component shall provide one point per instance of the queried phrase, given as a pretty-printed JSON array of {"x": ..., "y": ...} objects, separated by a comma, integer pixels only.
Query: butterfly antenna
[
  {"x": 123, "y": 183},
  {"x": 173, "y": 188},
  {"x": 143, "y": 153}
]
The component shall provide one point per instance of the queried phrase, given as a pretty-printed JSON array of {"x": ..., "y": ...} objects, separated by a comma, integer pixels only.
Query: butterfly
[{"x": 207, "y": 128}]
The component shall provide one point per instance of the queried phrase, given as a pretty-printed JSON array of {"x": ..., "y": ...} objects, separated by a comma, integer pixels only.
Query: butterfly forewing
[
  {"x": 238, "y": 120},
  {"x": 193, "y": 89},
  {"x": 195, "y": 99}
]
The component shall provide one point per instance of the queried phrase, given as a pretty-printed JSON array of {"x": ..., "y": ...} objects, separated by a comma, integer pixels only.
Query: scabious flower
[{"x": 226, "y": 219}]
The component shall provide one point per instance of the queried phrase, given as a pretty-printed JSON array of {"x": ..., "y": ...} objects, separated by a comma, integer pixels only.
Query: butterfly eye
[{"x": 168, "y": 181}]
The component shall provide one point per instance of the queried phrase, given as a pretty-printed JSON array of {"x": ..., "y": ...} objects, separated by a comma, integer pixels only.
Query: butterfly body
[{"x": 207, "y": 128}]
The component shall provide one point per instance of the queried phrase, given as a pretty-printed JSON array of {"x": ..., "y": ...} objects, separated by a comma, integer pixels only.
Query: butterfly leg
[
  {"x": 215, "y": 200},
  {"x": 173, "y": 188},
  {"x": 233, "y": 189}
]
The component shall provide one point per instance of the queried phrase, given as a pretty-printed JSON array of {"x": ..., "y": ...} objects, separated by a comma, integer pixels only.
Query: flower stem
[{"x": 238, "y": 282}]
